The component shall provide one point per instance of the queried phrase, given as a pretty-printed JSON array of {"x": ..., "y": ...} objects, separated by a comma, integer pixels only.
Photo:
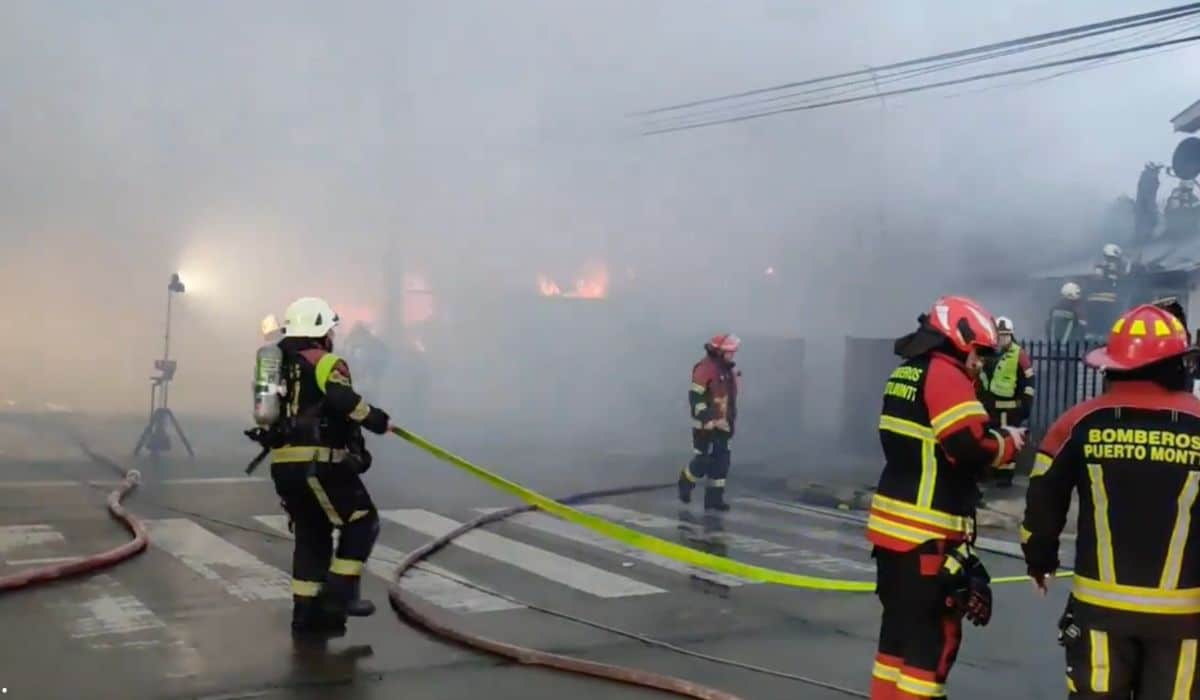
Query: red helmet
[
  {"x": 964, "y": 322},
  {"x": 724, "y": 342},
  {"x": 1142, "y": 336}
]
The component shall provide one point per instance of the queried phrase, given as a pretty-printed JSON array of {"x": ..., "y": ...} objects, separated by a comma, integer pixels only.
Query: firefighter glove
[
  {"x": 1017, "y": 435},
  {"x": 722, "y": 424},
  {"x": 1041, "y": 557},
  {"x": 966, "y": 583}
]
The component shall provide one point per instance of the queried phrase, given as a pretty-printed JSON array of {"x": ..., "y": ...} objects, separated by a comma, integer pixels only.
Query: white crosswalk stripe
[
  {"x": 433, "y": 583},
  {"x": 575, "y": 533},
  {"x": 559, "y": 569},
  {"x": 239, "y": 572},
  {"x": 800, "y": 556}
]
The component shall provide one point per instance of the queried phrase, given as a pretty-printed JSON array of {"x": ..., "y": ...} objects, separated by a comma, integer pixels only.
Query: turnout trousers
[
  {"x": 918, "y": 637},
  {"x": 1103, "y": 665},
  {"x": 319, "y": 497},
  {"x": 710, "y": 458}
]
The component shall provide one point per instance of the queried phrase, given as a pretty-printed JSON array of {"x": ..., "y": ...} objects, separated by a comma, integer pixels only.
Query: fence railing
[{"x": 1063, "y": 379}]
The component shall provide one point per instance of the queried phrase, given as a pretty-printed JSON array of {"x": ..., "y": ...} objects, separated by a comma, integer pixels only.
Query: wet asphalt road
[{"x": 204, "y": 613}]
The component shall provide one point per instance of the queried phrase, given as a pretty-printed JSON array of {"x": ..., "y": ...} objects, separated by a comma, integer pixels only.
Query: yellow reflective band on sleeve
[
  {"x": 699, "y": 408},
  {"x": 1071, "y": 685},
  {"x": 1104, "y": 549},
  {"x": 361, "y": 411},
  {"x": 296, "y": 453},
  {"x": 323, "y": 498},
  {"x": 954, "y": 414},
  {"x": 1025, "y": 534},
  {"x": 643, "y": 541},
  {"x": 919, "y": 687},
  {"x": 1142, "y": 599},
  {"x": 325, "y": 368},
  {"x": 346, "y": 567},
  {"x": 1041, "y": 465},
  {"x": 1098, "y": 641},
  {"x": 1179, "y": 533},
  {"x": 698, "y": 388},
  {"x": 307, "y": 589},
  {"x": 1185, "y": 671}
]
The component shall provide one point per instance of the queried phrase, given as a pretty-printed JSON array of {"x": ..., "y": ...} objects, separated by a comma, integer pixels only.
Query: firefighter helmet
[
  {"x": 1112, "y": 250},
  {"x": 965, "y": 323},
  {"x": 1004, "y": 324},
  {"x": 724, "y": 343},
  {"x": 1142, "y": 336},
  {"x": 1071, "y": 291},
  {"x": 309, "y": 317}
]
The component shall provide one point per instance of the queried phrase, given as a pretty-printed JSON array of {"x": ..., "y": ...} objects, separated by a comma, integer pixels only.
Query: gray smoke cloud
[{"x": 275, "y": 149}]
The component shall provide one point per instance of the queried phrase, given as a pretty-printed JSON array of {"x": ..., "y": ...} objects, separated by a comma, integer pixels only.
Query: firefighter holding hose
[
  {"x": 713, "y": 402},
  {"x": 313, "y": 430},
  {"x": 937, "y": 444},
  {"x": 1132, "y": 454}
]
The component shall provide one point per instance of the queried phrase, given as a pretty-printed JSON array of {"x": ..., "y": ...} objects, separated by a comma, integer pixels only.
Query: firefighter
[
  {"x": 1133, "y": 455},
  {"x": 713, "y": 402},
  {"x": 317, "y": 457},
  {"x": 937, "y": 444},
  {"x": 1067, "y": 323},
  {"x": 1008, "y": 389},
  {"x": 370, "y": 356},
  {"x": 1105, "y": 291}
]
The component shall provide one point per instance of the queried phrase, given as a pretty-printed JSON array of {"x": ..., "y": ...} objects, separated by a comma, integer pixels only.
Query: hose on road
[
  {"x": 524, "y": 655},
  {"x": 83, "y": 565}
]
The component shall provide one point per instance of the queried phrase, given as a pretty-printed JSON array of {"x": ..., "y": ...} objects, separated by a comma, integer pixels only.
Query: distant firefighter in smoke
[
  {"x": 369, "y": 355},
  {"x": 713, "y": 402}
]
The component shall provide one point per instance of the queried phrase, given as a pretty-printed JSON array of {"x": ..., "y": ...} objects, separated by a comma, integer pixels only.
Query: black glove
[
  {"x": 966, "y": 582},
  {"x": 1041, "y": 557}
]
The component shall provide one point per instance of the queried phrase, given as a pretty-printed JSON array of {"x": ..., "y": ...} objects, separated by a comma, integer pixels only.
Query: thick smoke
[{"x": 271, "y": 150}]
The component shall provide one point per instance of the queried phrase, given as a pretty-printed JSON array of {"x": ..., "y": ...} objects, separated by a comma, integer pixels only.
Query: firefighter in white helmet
[
  {"x": 1067, "y": 322},
  {"x": 1007, "y": 384},
  {"x": 317, "y": 457},
  {"x": 1107, "y": 289}
]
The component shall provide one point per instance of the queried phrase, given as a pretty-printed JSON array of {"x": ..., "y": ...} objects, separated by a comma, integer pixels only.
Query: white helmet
[
  {"x": 1071, "y": 291},
  {"x": 309, "y": 317},
  {"x": 1004, "y": 324},
  {"x": 1112, "y": 250}
]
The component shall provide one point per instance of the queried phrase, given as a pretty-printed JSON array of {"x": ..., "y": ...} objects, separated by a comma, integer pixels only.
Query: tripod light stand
[{"x": 154, "y": 437}]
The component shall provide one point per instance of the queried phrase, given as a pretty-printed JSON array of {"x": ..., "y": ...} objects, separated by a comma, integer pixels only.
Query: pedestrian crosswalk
[{"x": 195, "y": 566}]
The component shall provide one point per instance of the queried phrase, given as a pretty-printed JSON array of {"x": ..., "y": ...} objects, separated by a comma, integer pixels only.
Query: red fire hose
[
  {"x": 81, "y": 565},
  {"x": 534, "y": 657}
]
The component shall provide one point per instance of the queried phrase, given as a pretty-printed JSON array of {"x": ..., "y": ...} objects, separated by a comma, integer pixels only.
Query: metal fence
[{"x": 1063, "y": 379}]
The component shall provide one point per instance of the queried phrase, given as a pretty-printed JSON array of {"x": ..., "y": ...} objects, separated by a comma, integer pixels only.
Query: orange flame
[{"x": 592, "y": 285}]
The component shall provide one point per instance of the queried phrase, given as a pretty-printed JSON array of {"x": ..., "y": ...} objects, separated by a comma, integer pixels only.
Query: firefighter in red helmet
[
  {"x": 713, "y": 402},
  {"x": 1132, "y": 454},
  {"x": 937, "y": 446}
]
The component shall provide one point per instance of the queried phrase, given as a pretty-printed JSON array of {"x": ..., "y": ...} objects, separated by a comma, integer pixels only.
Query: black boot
[
  {"x": 714, "y": 499},
  {"x": 310, "y": 620},
  {"x": 685, "y": 487},
  {"x": 357, "y": 607}
]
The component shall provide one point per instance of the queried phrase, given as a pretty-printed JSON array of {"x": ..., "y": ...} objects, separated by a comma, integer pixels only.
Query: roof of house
[
  {"x": 1188, "y": 121},
  {"x": 1160, "y": 255}
]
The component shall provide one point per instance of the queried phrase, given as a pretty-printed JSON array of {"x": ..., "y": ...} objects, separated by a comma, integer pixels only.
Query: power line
[
  {"x": 928, "y": 86},
  {"x": 1111, "y": 25},
  {"x": 872, "y": 81}
]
